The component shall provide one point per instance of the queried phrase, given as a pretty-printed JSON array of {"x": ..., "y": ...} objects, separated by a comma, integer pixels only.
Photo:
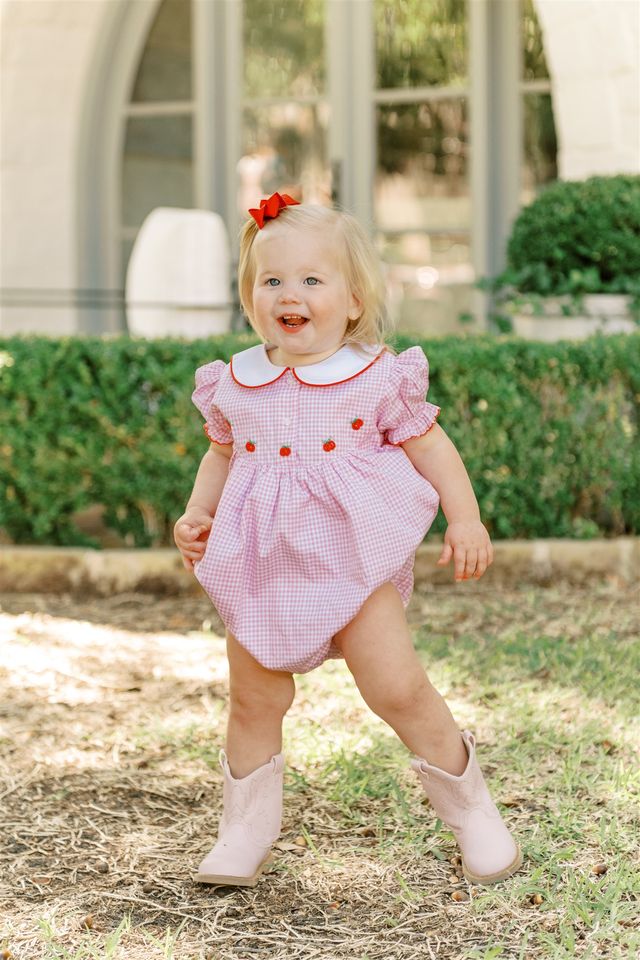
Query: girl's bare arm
[
  {"x": 466, "y": 540},
  {"x": 210, "y": 478},
  {"x": 191, "y": 531},
  {"x": 437, "y": 459}
]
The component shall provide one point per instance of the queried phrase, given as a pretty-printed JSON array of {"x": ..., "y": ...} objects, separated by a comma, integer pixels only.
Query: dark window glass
[
  {"x": 284, "y": 48},
  {"x": 422, "y": 175},
  {"x": 534, "y": 63},
  {"x": 540, "y": 145},
  {"x": 284, "y": 149},
  {"x": 158, "y": 166},
  {"x": 421, "y": 43},
  {"x": 165, "y": 68}
]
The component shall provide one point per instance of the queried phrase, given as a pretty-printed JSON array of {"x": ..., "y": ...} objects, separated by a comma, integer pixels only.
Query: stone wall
[
  {"x": 47, "y": 48},
  {"x": 593, "y": 53}
]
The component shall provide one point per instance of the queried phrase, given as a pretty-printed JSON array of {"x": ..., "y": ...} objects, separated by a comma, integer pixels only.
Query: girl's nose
[{"x": 288, "y": 296}]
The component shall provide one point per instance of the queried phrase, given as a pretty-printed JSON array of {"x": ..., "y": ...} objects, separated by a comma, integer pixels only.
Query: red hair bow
[{"x": 269, "y": 209}]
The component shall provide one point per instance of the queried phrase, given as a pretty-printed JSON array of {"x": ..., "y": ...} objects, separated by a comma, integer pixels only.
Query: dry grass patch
[{"x": 111, "y": 718}]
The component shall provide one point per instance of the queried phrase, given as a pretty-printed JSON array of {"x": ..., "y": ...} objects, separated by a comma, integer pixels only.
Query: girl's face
[{"x": 301, "y": 299}]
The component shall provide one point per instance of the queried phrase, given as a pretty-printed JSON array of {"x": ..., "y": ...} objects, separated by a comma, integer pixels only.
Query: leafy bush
[
  {"x": 549, "y": 432},
  {"x": 577, "y": 238}
]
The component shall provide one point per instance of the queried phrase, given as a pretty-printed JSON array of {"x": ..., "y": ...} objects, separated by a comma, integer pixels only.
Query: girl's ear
[{"x": 355, "y": 307}]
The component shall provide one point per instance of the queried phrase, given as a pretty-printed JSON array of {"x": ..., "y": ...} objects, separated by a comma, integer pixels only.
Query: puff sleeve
[
  {"x": 216, "y": 427},
  {"x": 404, "y": 412}
]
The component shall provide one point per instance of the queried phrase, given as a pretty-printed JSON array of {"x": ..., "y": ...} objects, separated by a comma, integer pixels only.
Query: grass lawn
[{"x": 111, "y": 717}]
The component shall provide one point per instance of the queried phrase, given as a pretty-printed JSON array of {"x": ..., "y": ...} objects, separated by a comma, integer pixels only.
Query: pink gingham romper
[{"x": 321, "y": 504}]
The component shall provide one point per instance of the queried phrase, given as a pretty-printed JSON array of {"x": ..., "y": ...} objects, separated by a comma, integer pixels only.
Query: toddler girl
[{"x": 325, "y": 470}]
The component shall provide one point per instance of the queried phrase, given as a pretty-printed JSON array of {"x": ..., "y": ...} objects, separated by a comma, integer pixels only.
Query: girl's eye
[
  {"x": 272, "y": 282},
  {"x": 312, "y": 281}
]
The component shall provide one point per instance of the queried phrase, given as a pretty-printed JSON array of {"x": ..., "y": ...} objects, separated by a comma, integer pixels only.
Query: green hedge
[
  {"x": 577, "y": 237},
  {"x": 549, "y": 432}
]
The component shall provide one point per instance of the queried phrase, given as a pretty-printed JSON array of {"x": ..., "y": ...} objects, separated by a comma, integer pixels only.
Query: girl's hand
[
  {"x": 191, "y": 533},
  {"x": 470, "y": 546}
]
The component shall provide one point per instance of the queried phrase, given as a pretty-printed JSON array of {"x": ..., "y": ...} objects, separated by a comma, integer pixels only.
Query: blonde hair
[{"x": 363, "y": 271}]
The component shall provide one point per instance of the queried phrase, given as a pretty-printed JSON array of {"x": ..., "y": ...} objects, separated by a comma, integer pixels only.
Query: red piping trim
[
  {"x": 335, "y": 382},
  {"x": 416, "y": 435},
  {"x": 205, "y": 427}
]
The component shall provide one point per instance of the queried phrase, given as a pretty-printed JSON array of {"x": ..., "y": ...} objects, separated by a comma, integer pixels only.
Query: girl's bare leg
[
  {"x": 378, "y": 649},
  {"x": 258, "y": 700}
]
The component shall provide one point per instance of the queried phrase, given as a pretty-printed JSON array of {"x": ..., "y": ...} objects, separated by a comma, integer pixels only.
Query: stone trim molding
[{"x": 109, "y": 572}]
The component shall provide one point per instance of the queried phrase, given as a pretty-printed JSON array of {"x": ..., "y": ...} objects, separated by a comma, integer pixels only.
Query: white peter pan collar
[{"x": 253, "y": 368}]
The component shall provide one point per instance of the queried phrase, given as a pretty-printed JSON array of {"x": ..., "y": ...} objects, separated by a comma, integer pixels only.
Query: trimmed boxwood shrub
[
  {"x": 548, "y": 432},
  {"x": 577, "y": 237}
]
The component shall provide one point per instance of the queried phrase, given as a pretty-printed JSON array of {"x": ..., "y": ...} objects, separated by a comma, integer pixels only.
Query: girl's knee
[
  {"x": 264, "y": 701},
  {"x": 253, "y": 689},
  {"x": 400, "y": 696}
]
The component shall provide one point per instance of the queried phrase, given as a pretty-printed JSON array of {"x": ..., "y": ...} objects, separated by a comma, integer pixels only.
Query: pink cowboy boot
[
  {"x": 250, "y": 823},
  {"x": 489, "y": 852}
]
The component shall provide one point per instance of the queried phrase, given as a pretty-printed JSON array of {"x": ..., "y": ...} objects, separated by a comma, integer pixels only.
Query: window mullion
[
  {"x": 362, "y": 153},
  {"x": 419, "y": 94},
  {"x": 160, "y": 108}
]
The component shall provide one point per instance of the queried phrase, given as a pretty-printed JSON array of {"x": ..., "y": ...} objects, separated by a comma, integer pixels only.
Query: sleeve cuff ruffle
[
  {"x": 216, "y": 427},
  {"x": 415, "y": 427},
  {"x": 406, "y": 413}
]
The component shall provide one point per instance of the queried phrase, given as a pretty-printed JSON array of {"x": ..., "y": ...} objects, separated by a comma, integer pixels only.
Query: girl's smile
[
  {"x": 301, "y": 299},
  {"x": 293, "y": 321}
]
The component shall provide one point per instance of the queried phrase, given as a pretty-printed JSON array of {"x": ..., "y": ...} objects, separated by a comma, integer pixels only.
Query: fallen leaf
[{"x": 460, "y": 896}]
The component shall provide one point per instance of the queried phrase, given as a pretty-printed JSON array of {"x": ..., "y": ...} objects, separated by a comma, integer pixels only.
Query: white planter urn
[
  {"x": 178, "y": 278},
  {"x": 557, "y": 318}
]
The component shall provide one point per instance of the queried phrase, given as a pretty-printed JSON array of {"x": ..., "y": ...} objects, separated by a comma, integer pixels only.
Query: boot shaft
[
  {"x": 453, "y": 797},
  {"x": 254, "y": 801}
]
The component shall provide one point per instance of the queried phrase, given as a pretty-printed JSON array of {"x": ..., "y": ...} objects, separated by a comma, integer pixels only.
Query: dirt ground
[{"x": 111, "y": 717}]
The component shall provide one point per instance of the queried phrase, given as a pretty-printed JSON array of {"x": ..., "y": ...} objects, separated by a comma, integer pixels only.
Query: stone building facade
[{"x": 69, "y": 68}]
